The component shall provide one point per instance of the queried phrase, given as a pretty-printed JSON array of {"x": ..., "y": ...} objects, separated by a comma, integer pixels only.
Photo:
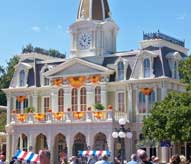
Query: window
[
  {"x": 22, "y": 78},
  {"x": 151, "y": 100},
  {"x": 98, "y": 94},
  {"x": 46, "y": 81},
  {"x": 121, "y": 102},
  {"x": 142, "y": 103},
  {"x": 61, "y": 100},
  {"x": 74, "y": 99},
  {"x": 175, "y": 70},
  {"x": 83, "y": 99},
  {"x": 146, "y": 66},
  {"x": 18, "y": 105},
  {"x": 120, "y": 71},
  {"x": 46, "y": 104}
]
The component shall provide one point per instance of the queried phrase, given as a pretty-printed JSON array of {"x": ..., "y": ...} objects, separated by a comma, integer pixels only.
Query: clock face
[{"x": 84, "y": 40}]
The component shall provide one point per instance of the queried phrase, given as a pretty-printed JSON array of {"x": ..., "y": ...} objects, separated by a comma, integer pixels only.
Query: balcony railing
[{"x": 62, "y": 117}]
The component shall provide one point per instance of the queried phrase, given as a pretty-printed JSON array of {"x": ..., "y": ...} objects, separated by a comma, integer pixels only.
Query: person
[
  {"x": 13, "y": 161},
  {"x": 152, "y": 158},
  {"x": 116, "y": 160},
  {"x": 73, "y": 160},
  {"x": 156, "y": 160},
  {"x": 175, "y": 159},
  {"x": 92, "y": 159},
  {"x": 142, "y": 155},
  {"x": 133, "y": 159},
  {"x": 104, "y": 160},
  {"x": 2, "y": 159},
  {"x": 44, "y": 156}
]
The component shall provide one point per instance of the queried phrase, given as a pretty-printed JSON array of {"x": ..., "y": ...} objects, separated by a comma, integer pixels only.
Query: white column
[
  {"x": 35, "y": 102},
  {"x": 54, "y": 97},
  {"x": 8, "y": 109},
  {"x": 163, "y": 91},
  {"x": 31, "y": 142},
  {"x": 129, "y": 103},
  {"x": 164, "y": 154},
  {"x": 104, "y": 95},
  {"x": 67, "y": 98},
  {"x": 69, "y": 142},
  {"x": 8, "y": 150},
  {"x": 110, "y": 142},
  {"x": 50, "y": 142},
  {"x": 90, "y": 96}
]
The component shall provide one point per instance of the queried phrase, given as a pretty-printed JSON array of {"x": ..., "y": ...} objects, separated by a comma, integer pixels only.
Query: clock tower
[{"x": 94, "y": 32}]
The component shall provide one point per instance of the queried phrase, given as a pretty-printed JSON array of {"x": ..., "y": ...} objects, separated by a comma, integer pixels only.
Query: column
[
  {"x": 35, "y": 102},
  {"x": 104, "y": 95},
  {"x": 8, "y": 108},
  {"x": 67, "y": 98},
  {"x": 50, "y": 143},
  {"x": 69, "y": 141},
  {"x": 110, "y": 142},
  {"x": 163, "y": 90},
  {"x": 164, "y": 154},
  {"x": 129, "y": 103},
  {"x": 54, "y": 98},
  {"x": 21, "y": 142},
  {"x": 8, "y": 150},
  {"x": 31, "y": 142},
  {"x": 90, "y": 96}
]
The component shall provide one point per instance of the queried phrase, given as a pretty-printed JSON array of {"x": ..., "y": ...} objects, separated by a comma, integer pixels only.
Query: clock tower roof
[{"x": 93, "y": 10}]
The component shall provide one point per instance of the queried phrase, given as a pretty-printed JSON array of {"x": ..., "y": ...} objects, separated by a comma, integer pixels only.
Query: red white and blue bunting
[
  {"x": 27, "y": 156},
  {"x": 94, "y": 152}
]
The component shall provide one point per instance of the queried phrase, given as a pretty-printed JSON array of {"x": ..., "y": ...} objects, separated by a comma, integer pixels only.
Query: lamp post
[{"x": 121, "y": 134}]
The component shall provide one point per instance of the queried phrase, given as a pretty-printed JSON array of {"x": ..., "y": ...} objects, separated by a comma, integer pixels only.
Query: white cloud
[
  {"x": 181, "y": 17},
  {"x": 36, "y": 28},
  {"x": 60, "y": 27}
]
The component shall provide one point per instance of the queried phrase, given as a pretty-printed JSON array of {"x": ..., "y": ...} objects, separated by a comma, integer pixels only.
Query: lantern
[
  {"x": 99, "y": 115},
  {"x": 57, "y": 82},
  {"x": 21, "y": 99},
  {"x": 94, "y": 79},
  {"x": 39, "y": 116}
]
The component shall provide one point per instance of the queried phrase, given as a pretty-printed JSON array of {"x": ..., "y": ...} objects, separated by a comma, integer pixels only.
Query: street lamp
[{"x": 121, "y": 134}]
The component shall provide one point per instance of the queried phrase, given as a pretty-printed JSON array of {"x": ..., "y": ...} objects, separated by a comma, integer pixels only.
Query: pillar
[
  {"x": 103, "y": 95},
  {"x": 163, "y": 91},
  {"x": 50, "y": 141},
  {"x": 67, "y": 98},
  {"x": 31, "y": 142},
  {"x": 8, "y": 150},
  {"x": 35, "y": 101},
  {"x": 110, "y": 142},
  {"x": 164, "y": 154},
  {"x": 8, "y": 109},
  {"x": 54, "y": 98},
  {"x": 129, "y": 103},
  {"x": 69, "y": 141}
]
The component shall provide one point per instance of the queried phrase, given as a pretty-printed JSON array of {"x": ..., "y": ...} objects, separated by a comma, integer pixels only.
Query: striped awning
[
  {"x": 27, "y": 156},
  {"x": 94, "y": 152}
]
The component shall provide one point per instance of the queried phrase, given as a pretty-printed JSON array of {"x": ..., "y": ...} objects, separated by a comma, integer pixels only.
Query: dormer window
[
  {"x": 22, "y": 78},
  {"x": 146, "y": 66},
  {"x": 120, "y": 71},
  {"x": 46, "y": 81},
  {"x": 173, "y": 59}
]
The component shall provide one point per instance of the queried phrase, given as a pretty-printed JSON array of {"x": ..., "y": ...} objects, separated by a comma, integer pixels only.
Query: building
[{"x": 50, "y": 100}]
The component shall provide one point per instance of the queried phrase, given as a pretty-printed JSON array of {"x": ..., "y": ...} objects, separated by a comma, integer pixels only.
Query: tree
[
  {"x": 6, "y": 76},
  {"x": 185, "y": 72},
  {"x": 170, "y": 119}
]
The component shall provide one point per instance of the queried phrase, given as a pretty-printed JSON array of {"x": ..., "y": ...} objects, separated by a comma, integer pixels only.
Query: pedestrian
[
  {"x": 13, "y": 161},
  {"x": 133, "y": 159},
  {"x": 2, "y": 159},
  {"x": 175, "y": 159},
  {"x": 142, "y": 155},
  {"x": 44, "y": 156},
  {"x": 156, "y": 160},
  {"x": 104, "y": 160}
]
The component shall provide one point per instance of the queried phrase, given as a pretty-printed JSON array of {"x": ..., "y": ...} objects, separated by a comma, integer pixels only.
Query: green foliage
[
  {"x": 185, "y": 72},
  {"x": 170, "y": 119},
  {"x": 6, "y": 75},
  {"x": 3, "y": 116},
  {"x": 51, "y": 52},
  {"x": 30, "y": 109},
  {"x": 98, "y": 106}
]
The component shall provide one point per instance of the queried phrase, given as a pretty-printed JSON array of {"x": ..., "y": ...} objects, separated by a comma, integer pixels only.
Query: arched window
[
  {"x": 46, "y": 81},
  {"x": 146, "y": 68},
  {"x": 74, "y": 99},
  {"x": 22, "y": 78},
  {"x": 18, "y": 105},
  {"x": 120, "y": 71},
  {"x": 142, "y": 103},
  {"x": 151, "y": 100},
  {"x": 61, "y": 100},
  {"x": 83, "y": 99},
  {"x": 98, "y": 94}
]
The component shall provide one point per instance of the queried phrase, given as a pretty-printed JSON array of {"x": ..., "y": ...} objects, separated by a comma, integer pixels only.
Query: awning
[
  {"x": 27, "y": 156},
  {"x": 94, "y": 152}
]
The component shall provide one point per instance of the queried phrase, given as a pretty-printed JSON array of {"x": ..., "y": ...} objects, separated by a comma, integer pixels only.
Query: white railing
[{"x": 62, "y": 117}]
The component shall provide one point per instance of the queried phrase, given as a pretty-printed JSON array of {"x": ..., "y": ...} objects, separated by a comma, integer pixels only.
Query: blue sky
[{"x": 44, "y": 23}]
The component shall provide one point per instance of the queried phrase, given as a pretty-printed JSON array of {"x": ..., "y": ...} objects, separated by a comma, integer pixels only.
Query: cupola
[{"x": 93, "y": 10}]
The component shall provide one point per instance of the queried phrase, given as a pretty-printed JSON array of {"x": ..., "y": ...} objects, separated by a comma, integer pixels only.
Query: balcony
[{"x": 62, "y": 117}]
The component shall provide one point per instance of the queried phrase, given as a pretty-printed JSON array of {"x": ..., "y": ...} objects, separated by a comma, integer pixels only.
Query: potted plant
[
  {"x": 99, "y": 106},
  {"x": 29, "y": 109}
]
